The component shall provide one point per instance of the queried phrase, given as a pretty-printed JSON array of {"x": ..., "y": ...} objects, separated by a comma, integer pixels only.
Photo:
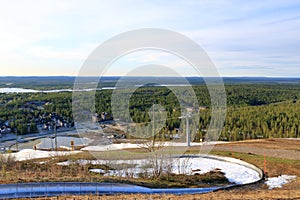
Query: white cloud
[
  {"x": 48, "y": 52},
  {"x": 256, "y": 33}
]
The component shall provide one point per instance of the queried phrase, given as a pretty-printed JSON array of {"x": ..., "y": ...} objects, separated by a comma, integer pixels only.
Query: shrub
[{"x": 7, "y": 160}]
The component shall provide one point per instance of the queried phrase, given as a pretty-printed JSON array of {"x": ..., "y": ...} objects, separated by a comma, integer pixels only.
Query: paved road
[{"x": 8, "y": 140}]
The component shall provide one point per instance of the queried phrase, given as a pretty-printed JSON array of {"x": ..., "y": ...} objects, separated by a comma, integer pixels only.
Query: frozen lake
[{"x": 23, "y": 90}]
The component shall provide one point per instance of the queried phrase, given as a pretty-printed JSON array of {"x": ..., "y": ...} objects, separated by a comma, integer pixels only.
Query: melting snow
[
  {"x": 278, "y": 182},
  {"x": 28, "y": 154},
  {"x": 131, "y": 145},
  {"x": 234, "y": 172}
]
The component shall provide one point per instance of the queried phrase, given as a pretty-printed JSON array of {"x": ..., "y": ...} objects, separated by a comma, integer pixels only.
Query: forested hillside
[{"x": 253, "y": 110}]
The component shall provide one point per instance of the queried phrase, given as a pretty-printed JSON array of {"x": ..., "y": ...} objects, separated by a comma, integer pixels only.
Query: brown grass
[{"x": 276, "y": 165}]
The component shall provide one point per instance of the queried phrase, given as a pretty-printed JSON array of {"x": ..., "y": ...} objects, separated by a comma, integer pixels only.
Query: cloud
[
  {"x": 48, "y": 52},
  {"x": 235, "y": 34}
]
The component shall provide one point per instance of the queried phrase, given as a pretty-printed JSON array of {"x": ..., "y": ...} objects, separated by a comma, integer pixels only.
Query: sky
[{"x": 242, "y": 38}]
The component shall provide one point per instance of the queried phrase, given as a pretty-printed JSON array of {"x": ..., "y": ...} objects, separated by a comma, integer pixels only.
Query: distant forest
[
  {"x": 62, "y": 82},
  {"x": 266, "y": 108}
]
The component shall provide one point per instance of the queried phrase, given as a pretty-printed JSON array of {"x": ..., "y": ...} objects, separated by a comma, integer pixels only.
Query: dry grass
[
  {"x": 276, "y": 165},
  {"x": 279, "y": 148},
  {"x": 222, "y": 195},
  {"x": 282, "y": 144}
]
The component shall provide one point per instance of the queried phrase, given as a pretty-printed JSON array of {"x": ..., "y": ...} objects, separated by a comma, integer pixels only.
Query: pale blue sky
[{"x": 243, "y": 38}]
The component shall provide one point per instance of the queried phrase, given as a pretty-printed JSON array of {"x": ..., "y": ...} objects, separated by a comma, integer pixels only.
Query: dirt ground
[
  {"x": 282, "y": 157},
  {"x": 279, "y": 148}
]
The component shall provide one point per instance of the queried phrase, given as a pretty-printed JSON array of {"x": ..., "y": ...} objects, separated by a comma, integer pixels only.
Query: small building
[
  {"x": 103, "y": 116},
  {"x": 202, "y": 108},
  {"x": 95, "y": 118}
]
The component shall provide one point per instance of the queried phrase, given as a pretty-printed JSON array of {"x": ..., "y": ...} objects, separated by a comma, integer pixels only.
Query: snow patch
[
  {"x": 137, "y": 145},
  {"x": 278, "y": 182},
  {"x": 28, "y": 154},
  {"x": 234, "y": 172}
]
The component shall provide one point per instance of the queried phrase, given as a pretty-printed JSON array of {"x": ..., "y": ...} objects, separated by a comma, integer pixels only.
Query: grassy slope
[{"x": 275, "y": 166}]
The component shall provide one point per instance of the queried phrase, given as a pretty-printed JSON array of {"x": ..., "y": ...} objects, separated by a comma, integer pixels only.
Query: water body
[
  {"x": 23, "y": 90},
  {"x": 164, "y": 85},
  {"x": 17, "y": 90}
]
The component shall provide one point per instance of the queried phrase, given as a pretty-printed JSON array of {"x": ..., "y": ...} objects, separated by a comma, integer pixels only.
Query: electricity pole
[
  {"x": 153, "y": 121},
  {"x": 153, "y": 124},
  {"x": 188, "y": 136},
  {"x": 55, "y": 131},
  {"x": 17, "y": 146}
]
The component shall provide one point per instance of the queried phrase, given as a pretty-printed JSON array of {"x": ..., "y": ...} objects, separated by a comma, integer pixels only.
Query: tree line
[{"x": 253, "y": 110}]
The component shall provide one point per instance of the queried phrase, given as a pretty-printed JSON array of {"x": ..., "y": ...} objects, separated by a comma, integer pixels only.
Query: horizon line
[{"x": 72, "y": 76}]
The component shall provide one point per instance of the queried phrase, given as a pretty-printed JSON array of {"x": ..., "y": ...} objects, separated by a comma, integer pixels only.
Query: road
[{"x": 9, "y": 140}]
